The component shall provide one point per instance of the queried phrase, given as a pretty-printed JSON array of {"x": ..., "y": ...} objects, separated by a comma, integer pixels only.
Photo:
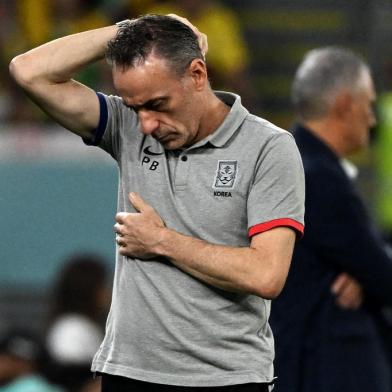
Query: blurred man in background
[
  {"x": 325, "y": 321},
  {"x": 210, "y": 243},
  {"x": 22, "y": 359}
]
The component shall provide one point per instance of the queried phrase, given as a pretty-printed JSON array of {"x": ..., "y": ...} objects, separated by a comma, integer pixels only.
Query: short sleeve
[
  {"x": 277, "y": 195},
  {"x": 115, "y": 119}
]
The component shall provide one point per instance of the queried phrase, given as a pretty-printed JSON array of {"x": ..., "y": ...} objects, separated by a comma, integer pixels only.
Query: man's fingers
[
  {"x": 120, "y": 217},
  {"x": 348, "y": 291},
  {"x": 201, "y": 37},
  {"x": 339, "y": 283},
  {"x": 351, "y": 297},
  {"x": 120, "y": 240},
  {"x": 183, "y": 20},
  {"x": 118, "y": 228},
  {"x": 138, "y": 203},
  {"x": 203, "y": 43},
  {"x": 122, "y": 250}
]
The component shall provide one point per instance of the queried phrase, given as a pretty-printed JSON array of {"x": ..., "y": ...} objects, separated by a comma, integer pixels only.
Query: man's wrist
[{"x": 165, "y": 238}]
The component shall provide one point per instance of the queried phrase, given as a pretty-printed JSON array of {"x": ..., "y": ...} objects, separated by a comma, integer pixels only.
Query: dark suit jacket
[{"x": 321, "y": 347}]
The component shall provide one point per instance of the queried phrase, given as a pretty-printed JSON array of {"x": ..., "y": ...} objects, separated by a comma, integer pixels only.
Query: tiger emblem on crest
[{"x": 226, "y": 174}]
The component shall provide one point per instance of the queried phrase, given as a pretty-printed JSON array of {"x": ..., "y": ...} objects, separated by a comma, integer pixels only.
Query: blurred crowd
[
  {"x": 28, "y": 23},
  {"x": 58, "y": 358}
]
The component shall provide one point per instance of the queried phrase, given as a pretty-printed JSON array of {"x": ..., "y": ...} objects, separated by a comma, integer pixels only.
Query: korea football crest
[{"x": 226, "y": 174}]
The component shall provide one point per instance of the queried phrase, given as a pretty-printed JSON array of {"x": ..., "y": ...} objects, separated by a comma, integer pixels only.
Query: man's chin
[{"x": 172, "y": 143}]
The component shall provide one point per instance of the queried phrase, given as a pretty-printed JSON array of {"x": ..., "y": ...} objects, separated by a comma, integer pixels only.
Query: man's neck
[
  {"x": 213, "y": 116},
  {"x": 328, "y": 131}
]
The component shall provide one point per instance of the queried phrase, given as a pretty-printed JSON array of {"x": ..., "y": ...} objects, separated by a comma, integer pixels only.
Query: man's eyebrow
[{"x": 150, "y": 103}]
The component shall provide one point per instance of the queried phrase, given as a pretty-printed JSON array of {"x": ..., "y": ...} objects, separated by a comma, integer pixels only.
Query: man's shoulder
[
  {"x": 116, "y": 107},
  {"x": 321, "y": 170},
  {"x": 249, "y": 128},
  {"x": 317, "y": 158},
  {"x": 326, "y": 182},
  {"x": 261, "y": 128},
  {"x": 121, "y": 118},
  {"x": 319, "y": 164}
]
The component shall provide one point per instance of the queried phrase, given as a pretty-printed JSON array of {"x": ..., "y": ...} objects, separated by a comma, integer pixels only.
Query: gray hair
[{"x": 322, "y": 75}]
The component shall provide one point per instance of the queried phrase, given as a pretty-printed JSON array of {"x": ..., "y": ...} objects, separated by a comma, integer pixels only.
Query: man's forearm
[
  {"x": 242, "y": 269},
  {"x": 201, "y": 260},
  {"x": 46, "y": 74},
  {"x": 260, "y": 268},
  {"x": 58, "y": 61}
]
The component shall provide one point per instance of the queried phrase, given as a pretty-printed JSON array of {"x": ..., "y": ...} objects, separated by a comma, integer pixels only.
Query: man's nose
[{"x": 148, "y": 122}]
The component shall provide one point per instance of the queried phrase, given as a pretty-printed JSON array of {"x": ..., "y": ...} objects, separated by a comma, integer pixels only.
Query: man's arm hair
[
  {"x": 260, "y": 269},
  {"x": 46, "y": 72}
]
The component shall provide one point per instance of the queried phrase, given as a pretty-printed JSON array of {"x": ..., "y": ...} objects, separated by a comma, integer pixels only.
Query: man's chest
[{"x": 200, "y": 192}]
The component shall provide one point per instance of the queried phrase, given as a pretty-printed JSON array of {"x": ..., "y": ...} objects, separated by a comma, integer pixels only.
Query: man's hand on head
[
  {"x": 201, "y": 37},
  {"x": 138, "y": 233}
]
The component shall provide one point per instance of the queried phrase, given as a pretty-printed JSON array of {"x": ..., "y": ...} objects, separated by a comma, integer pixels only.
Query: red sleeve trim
[{"x": 261, "y": 227}]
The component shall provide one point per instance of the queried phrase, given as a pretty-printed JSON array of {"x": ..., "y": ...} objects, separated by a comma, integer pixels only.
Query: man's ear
[
  {"x": 197, "y": 70},
  {"x": 343, "y": 104}
]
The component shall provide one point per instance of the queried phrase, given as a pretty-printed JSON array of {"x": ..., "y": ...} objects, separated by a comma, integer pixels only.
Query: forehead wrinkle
[
  {"x": 151, "y": 68},
  {"x": 148, "y": 102}
]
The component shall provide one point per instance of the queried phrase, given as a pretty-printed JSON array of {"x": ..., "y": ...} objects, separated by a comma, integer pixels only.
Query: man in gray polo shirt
[{"x": 210, "y": 202}]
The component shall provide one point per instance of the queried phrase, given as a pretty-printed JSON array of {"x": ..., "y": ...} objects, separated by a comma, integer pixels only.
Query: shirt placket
[{"x": 181, "y": 171}]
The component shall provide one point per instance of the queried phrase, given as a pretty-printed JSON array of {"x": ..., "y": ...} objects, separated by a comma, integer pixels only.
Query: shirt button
[{"x": 184, "y": 158}]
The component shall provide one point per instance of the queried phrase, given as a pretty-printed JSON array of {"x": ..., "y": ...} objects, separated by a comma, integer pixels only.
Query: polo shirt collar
[{"x": 230, "y": 124}]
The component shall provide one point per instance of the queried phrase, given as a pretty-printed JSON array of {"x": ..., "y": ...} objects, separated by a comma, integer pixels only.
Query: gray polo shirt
[{"x": 164, "y": 325}]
